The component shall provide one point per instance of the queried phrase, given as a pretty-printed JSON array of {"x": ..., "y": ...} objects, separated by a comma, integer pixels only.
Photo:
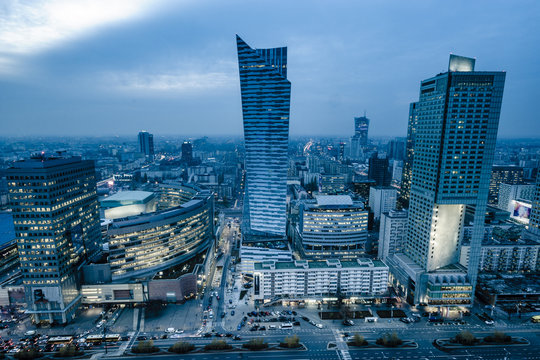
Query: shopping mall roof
[{"x": 123, "y": 198}]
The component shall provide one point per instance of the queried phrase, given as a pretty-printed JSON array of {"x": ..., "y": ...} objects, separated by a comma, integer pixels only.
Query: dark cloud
[{"x": 174, "y": 71}]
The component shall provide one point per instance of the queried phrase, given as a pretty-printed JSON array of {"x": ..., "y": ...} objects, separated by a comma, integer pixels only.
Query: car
[
  {"x": 239, "y": 327},
  {"x": 228, "y": 335},
  {"x": 262, "y": 328},
  {"x": 319, "y": 326},
  {"x": 405, "y": 320},
  {"x": 348, "y": 322},
  {"x": 207, "y": 335},
  {"x": 489, "y": 322},
  {"x": 141, "y": 337},
  {"x": 305, "y": 318},
  {"x": 253, "y": 329},
  {"x": 179, "y": 331},
  {"x": 237, "y": 337},
  {"x": 124, "y": 338},
  {"x": 232, "y": 313},
  {"x": 230, "y": 301},
  {"x": 164, "y": 336},
  {"x": 346, "y": 334},
  {"x": 219, "y": 334},
  {"x": 294, "y": 313},
  {"x": 223, "y": 315},
  {"x": 296, "y": 323}
]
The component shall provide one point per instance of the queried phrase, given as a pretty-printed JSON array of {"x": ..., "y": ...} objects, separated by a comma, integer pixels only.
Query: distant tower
[
  {"x": 56, "y": 218},
  {"x": 146, "y": 144},
  {"x": 187, "y": 152},
  {"x": 360, "y": 139},
  {"x": 266, "y": 95}
]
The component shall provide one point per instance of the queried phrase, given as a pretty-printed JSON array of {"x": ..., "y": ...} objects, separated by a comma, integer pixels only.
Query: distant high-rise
[
  {"x": 458, "y": 116},
  {"x": 187, "y": 152},
  {"x": 396, "y": 149},
  {"x": 503, "y": 174},
  {"x": 146, "y": 144},
  {"x": 56, "y": 218},
  {"x": 360, "y": 139},
  {"x": 266, "y": 96},
  {"x": 405, "y": 191},
  {"x": 378, "y": 170}
]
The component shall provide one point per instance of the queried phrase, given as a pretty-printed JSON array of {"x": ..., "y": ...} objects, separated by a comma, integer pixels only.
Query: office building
[
  {"x": 332, "y": 226},
  {"x": 146, "y": 144},
  {"x": 305, "y": 279},
  {"x": 56, "y": 218},
  {"x": 503, "y": 174},
  {"x": 382, "y": 199},
  {"x": 392, "y": 233},
  {"x": 150, "y": 242},
  {"x": 458, "y": 116},
  {"x": 378, "y": 170},
  {"x": 361, "y": 188},
  {"x": 266, "y": 95},
  {"x": 187, "y": 152},
  {"x": 405, "y": 191},
  {"x": 516, "y": 199}
]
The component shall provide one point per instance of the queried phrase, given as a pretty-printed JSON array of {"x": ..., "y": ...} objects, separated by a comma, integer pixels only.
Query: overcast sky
[{"x": 114, "y": 67}]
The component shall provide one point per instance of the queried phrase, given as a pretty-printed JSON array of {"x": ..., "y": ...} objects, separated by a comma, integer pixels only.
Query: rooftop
[
  {"x": 333, "y": 200},
  {"x": 127, "y": 198},
  {"x": 326, "y": 264}
]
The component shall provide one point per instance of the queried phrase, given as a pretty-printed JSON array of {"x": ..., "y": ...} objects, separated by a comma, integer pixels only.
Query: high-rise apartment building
[
  {"x": 503, "y": 174},
  {"x": 458, "y": 117},
  {"x": 392, "y": 233},
  {"x": 378, "y": 170},
  {"x": 405, "y": 191},
  {"x": 266, "y": 95},
  {"x": 146, "y": 144},
  {"x": 56, "y": 217}
]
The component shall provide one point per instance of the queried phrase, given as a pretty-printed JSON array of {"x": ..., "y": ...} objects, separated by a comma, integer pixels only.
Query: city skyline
[{"x": 134, "y": 68}]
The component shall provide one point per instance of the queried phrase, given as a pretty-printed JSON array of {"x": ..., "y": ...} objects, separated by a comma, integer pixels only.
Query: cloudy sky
[{"x": 114, "y": 67}]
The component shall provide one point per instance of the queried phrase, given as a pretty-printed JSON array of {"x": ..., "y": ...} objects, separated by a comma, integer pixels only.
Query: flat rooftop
[
  {"x": 330, "y": 264},
  {"x": 334, "y": 200},
  {"x": 127, "y": 198}
]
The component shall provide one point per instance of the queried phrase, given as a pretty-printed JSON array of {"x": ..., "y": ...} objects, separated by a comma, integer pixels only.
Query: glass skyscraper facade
[
  {"x": 266, "y": 96},
  {"x": 56, "y": 217},
  {"x": 458, "y": 117},
  {"x": 146, "y": 143}
]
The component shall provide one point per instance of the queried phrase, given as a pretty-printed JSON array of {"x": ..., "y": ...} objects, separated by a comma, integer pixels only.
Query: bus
[
  {"x": 112, "y": 337},
  {"x": 60, "y": 340},
  {"x": 535, "y": 319},
  {"x": 94, "y": 338}
]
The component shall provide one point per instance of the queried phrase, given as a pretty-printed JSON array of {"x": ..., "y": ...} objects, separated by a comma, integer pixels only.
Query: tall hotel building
[
  {"x": 458, "y": 116},
  {"x": 266, "y": 96},
  {"x": 56, "y": 218}
]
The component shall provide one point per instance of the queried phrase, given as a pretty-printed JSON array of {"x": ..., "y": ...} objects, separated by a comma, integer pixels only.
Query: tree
[
  {"x": 27, "y": 354},
  {"x": 498, "y": 337},
  {"x": 465, "y": 338},
  {"x": 218, "y": 345},
  {"x": 358, "y": 340},
  {"x": 182, "y": 347},
  {"x": 68, "y": 351},
  {"x": 291, "y": 342},
  {"x": 389, "y": 340},
  {"x": 145, "y": 347},
  {"x": 255, "y": 344}
]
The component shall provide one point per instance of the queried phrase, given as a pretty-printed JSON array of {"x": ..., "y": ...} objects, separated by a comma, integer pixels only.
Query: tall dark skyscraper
[
  {"x": 378, "y": 170},
  {"x": 187, "y": 152},
  {"x": 56, "y": 218},
  {"x": 146, "y": 144},
  {"x": 458, "y": 117},
  {"x": 405, "y": 191},
  {"x": 266, "y": 94}
]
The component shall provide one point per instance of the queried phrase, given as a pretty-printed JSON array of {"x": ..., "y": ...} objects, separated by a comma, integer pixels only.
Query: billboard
[{"x": 521, "y": 211}]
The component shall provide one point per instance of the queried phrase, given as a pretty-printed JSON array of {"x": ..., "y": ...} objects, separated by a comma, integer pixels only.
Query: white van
[
  {"x": 286, "y": 326},
  {"x": 170, "y": 330}
]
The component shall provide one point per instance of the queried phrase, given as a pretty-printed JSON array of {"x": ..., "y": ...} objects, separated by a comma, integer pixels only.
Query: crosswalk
[{"x": 342, "y": 348}]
